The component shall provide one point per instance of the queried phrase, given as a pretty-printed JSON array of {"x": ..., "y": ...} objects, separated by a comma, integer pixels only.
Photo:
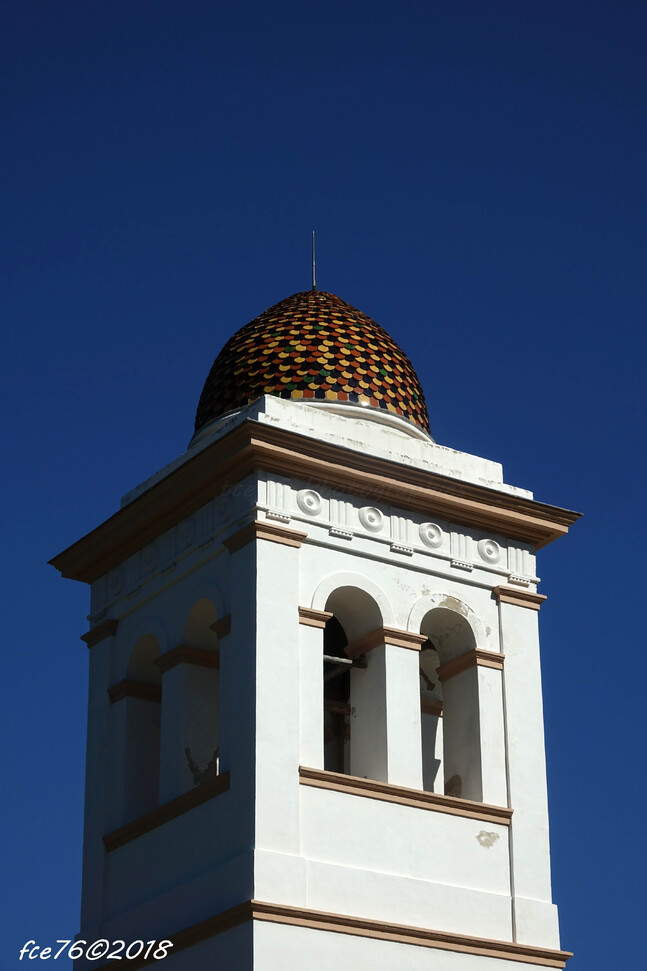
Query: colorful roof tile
[{"x": 313, "y": 346}]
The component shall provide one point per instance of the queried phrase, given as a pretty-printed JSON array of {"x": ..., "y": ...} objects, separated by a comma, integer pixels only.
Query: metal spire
[{"x": 314, "y": 282}]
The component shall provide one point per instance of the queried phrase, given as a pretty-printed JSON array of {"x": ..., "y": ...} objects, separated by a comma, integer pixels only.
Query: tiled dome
[{"x": 313, "y": 346}]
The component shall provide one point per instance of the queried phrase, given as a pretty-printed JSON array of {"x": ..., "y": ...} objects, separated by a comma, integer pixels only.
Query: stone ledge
[
  {"x": 275, "y": 913},
  {"x": 169, "y": 810},
  {"x": 385, "y": 791}
]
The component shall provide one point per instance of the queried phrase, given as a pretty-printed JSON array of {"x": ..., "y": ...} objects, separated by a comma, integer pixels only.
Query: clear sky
[{"x": 476, "y": 175}]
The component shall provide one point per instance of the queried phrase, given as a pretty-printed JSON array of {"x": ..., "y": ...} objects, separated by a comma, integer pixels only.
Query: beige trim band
[
  {"x": 452, "y": 805},
  {"x": 222, "y": 627},
  {"x": 321, "y": 920},
  {"x": 169, "y": 810},
  {"x": 471, "y": 659},
  {"x": 261, "y": 529},
  {"x": 254, "y": 446},
  {"x": 385, "y": 635},
  {"x": 406, "y": 934},
  {"x": 313, "y": 618},
  {"x": 182, "y": 654},
  {"x": 520, "y": 598},
  {"x": 134, "y": 689},
  {"x": 106, "y": 629}
]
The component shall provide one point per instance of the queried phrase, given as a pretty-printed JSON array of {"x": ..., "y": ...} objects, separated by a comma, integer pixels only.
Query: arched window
[
  {"x": 201, "y": 693},
  {"x": 431, "y": 710},
  {"x": 451, "y": 744},
  {"x": 354, "y": 687},
  {"x": 336, "y": 698},
  {"x": 190, "y": 702}
]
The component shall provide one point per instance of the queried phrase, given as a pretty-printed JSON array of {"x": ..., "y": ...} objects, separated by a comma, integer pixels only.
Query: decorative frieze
[
  {"x": 461, "y": 551},
  {"x": 400, "y": 538},
  {"x": 276, "y": 494},
  {"x": 341, "y": 513}
]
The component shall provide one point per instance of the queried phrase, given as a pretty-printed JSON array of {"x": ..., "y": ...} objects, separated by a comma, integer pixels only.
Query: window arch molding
[
  {"x": 336, "y": 581},
  {"x": 188, "y": 598},
  {"x": 448, "y": 602},
  {"x": 149, "y": 627}
]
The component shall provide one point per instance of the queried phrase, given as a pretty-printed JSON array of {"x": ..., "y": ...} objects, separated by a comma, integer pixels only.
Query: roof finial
[{"x": 314, "y": 282}]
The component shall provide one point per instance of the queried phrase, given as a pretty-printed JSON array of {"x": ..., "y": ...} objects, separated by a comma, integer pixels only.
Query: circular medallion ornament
[
  {"x": 309, "y": 502},
  {"x": 224, "y": 508},
  {"x": 150, "y": 558},
  {"x": 186, "y": 534},
  {"x": 489, "y": 550},
  {"x": 431, "y": 535},
  {"x": 371, "y": 518},
  {"x": 116, "y": 582}
]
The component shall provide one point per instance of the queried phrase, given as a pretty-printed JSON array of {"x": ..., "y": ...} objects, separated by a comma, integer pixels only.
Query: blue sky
[{"x": 476, "y": 176}]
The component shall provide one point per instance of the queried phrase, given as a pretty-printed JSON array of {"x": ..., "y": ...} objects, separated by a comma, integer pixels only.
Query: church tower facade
[{"x": 315, "y": 728}]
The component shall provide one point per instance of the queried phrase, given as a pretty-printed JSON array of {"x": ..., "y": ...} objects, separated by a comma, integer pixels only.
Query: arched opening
[
  {"x": 197, "y": 630},
  {"x": 354, "y": 687},
  {"x": 141, "y": 743},
  {"x": 336, "y": 678},
  {"x": 451, "y": 745},
  {"x": 431, "y": 709},
  {"x": 141, "y": 664},
  {"x": 200, "y": 691}
]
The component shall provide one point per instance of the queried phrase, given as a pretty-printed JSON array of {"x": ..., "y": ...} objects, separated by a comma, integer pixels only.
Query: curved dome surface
[{"x": 313, "y": 346}]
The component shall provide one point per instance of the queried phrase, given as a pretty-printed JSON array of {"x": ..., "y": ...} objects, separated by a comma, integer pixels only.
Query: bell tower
[{"x": 315, "y": 727}]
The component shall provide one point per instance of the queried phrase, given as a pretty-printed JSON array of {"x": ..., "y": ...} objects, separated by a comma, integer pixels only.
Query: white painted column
[
  {"x": 404, "y": 730},
  {"x": 135, "y": 742},
  {"x": 474, "y": 736},
  {"x": 494, "y": 786},
  {"x": 461, "y": 732},
  {"x": 535, "y": 917},
  {"x": 277, "y": 694},
  {"x": 311, "y": 633},
  {"x": 237, "y": 730},
  {"x": 385, "y": 734},
  {"x": 189, "y": 728},
  {"x": 368, "y": 730},
  {"x": 98, "y": 781},
  {"x": 433, "y": 773}
]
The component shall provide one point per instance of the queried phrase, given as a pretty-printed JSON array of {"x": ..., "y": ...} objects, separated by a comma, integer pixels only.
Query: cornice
[
  {"x": 222, "y": 627},
  {"x": 261, "y": 529},
  {"x": 385, "y": 635},
  {"x": 520, "y": 598},
  {"x": 134, "y": 689},
  {"x": 253, "y": 446},
  {"x": 108, "y": 628},
  {"x": 310, "y": 617},
  {"x": 471, "y": 659},
  {"x": 183, "y": 654}
]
